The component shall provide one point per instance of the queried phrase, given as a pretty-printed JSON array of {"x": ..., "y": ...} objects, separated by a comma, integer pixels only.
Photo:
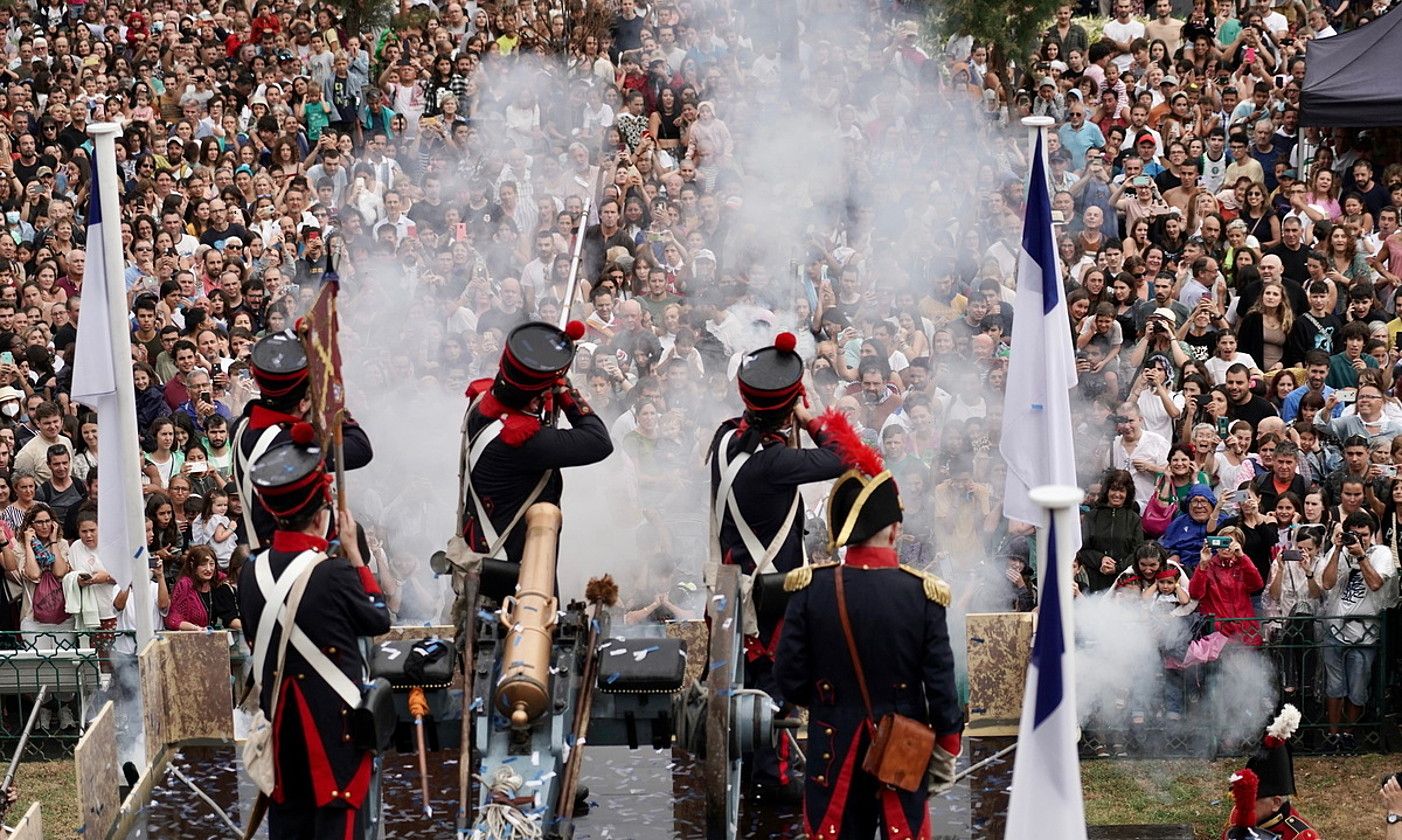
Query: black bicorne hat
[
  {"x": 1273, "y": 763},
  {"x": 859, "y": 506}
]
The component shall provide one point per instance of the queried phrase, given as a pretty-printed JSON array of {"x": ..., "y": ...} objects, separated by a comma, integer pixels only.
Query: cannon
[{"x": 542, "y": 682}]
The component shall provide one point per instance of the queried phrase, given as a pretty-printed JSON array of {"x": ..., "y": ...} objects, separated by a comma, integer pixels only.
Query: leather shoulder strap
[{"x": 851, "y": 642}]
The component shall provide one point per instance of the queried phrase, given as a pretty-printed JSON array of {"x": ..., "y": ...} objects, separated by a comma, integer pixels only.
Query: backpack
[{"x": 49, "y": 603}]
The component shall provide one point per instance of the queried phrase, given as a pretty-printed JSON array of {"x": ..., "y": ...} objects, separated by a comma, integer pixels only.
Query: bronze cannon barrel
[{"x": 523, "y": 690}]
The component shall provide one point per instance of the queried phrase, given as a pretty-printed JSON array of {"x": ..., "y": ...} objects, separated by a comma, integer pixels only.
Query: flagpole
[
  {"x": 126, "y": 483},
  {"x": 1035, "y": 126}
]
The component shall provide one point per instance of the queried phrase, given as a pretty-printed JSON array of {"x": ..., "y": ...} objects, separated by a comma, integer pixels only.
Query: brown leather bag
[{"x": 900, "y": 747}]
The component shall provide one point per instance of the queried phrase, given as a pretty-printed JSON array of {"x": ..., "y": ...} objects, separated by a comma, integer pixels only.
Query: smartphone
[
  {"x": 1250, "y": 55},
  {"x": 1292, "y": 555},
  {"x": 1222, "y": 424},
  {"x": 1346, "y": 395},
  {"x": 460, "y": 231},
  {"x": 1388, "y": 470},
  {"x": 7, "y": 358},
  {"x": 1218, "y": 542},
  {"x": 200, "y": 467}
]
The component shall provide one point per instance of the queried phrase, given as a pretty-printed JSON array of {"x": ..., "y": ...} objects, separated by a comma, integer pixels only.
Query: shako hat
[
  {"x": 771, "y": 378},
  {"x": 290, "y": 478},
  {"x": 278, "y": 363},
  {"x": 536, "y": 355},
  {"x": 1272, "y": 763}
]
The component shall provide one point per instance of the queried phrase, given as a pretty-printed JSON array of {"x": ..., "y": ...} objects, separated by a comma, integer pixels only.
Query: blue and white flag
[
  {"x": 1036, "y": 441},
  {"x": 1046, "y": 797},
  {"x": 1037, "y": 445},
  {"x": 101, "y": 360}
]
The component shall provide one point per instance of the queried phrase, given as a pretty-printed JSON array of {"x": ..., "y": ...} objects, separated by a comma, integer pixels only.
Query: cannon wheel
[{"x": 723, "y": 679}]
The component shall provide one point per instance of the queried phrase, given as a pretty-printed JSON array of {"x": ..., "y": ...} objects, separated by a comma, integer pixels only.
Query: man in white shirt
[
  {"x": 1121, "y": 32},
  {"x": 1360, "y": 579},
  {"x": 1142, "y": 453}
]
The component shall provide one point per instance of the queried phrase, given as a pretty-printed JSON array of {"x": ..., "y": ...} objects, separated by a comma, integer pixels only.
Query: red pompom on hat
[
  {"x": 575, "y": 330},
  {"x": 302, "y": 433},
  {"x": 771, "y": 378}
]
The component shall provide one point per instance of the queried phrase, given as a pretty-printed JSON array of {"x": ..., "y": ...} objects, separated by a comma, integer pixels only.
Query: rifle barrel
[{"x": 24, "y": 739}]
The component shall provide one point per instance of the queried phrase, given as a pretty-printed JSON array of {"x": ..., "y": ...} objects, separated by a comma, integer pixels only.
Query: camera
[
  {"x": 206, "y": 396},
  {"x": 1348, "y": 538}
]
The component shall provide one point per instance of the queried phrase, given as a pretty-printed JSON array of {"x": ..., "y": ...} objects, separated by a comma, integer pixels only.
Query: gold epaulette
[
  {"x": 935, "y": 589},
  {"x": 802, "y": 576}
]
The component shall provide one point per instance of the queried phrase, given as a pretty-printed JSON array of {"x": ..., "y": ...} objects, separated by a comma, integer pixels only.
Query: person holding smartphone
[{"x": 1223, "y": 584}]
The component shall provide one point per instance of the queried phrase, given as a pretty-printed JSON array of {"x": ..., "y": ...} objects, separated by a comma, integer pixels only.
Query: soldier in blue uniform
[
  {"x": 757, "y": 514},
  {"x": 897, "y": 626},
  {"x": 512, "y": 456},
  {"x": 278, "y": 363},
  {"x": 322, "y": 776}
]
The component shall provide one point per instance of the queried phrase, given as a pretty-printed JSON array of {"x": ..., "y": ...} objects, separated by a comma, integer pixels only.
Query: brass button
[
  {"x": 301, "y": 676},
  {"x": 900, "y": 685},
  {"x": 827, "y": 731},
  {"x": 827, "y": 756},
  {"x": 345, "y": 738},
  {"x": 818, "y": 778},
  {"x": 335, "y": 793},
  {"x": 332, "y": 652}
]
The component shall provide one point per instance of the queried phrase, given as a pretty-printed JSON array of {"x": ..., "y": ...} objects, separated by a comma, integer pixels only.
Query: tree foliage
[
  {"x": 364, "y": 16},
  {"x": 1014, "y": 27}
]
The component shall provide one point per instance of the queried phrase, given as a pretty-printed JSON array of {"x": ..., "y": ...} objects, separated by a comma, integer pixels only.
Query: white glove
[{"x": 939, "y": 776}]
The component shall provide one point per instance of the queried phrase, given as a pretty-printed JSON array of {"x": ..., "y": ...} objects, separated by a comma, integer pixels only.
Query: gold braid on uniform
[
  {"x": 935, "y": 589},
  {"x": 802, "y": 576}
]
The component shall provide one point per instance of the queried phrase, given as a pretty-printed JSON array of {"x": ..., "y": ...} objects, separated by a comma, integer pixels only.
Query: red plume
[
  {"x": 855, "y": 454},
  {"x": 785, "y": 342},
  {"x": 303, "y": 434},
  {"x": 1244, "y": 786},
  {"x": 575, "y": 330}
]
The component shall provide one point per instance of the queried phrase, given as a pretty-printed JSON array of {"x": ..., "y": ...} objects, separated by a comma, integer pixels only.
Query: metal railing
[{"x": 1199, "y": 710}]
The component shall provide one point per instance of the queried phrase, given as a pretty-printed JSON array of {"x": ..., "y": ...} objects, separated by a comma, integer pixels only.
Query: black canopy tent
[{"x": 1351, "y": 79}]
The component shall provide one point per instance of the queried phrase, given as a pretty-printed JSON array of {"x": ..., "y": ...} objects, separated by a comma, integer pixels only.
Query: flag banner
[
  {"x": 1036, "y": 441},
  {"x": 101, "y": 358},
  {"x": 320, "y": 332},
  {"x": 1038, "y": 447}
]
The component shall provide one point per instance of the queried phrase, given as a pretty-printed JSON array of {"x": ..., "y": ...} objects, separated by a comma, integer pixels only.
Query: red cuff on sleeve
[
  {"x": 367, "y": 580},
  {"x": 814, "y": 426},
  {"x": 951, "y": 743}
]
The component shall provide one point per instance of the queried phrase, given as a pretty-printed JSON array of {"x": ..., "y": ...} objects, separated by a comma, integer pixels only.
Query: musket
[
  {"x": 9, "y": 779},
  {"x": 573, "y": 285}
]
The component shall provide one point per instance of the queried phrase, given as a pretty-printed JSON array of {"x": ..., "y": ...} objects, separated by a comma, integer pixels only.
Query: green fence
[{"x": 1187, "y": 714}]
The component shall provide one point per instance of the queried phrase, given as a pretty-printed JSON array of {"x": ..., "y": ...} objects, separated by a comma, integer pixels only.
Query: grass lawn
[
  {"x": 54, "y": 785},
  {"x": 1338, "y": 796}
]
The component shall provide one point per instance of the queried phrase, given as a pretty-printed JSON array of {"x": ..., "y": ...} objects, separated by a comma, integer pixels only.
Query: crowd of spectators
[{"x": 1232, "y": 277}]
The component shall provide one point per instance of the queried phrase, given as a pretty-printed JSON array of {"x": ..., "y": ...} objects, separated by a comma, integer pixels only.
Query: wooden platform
[{"x": 1139, "y": 832}]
